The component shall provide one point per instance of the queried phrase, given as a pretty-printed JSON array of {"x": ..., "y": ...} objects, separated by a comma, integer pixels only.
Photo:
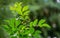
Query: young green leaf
[
  {"x": 35, "y": 22},
  {"x": 26, "y": 12},
  {"x": 17, "y": 22},
  {"x": 46, "y": 25},
  {"x": 25, "y": 8},
  {"x": 31, "y": 24},
  {"x": 42, "y": 21}
]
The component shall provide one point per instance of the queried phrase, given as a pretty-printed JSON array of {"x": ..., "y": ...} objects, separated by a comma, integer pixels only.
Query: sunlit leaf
[
  {"x": 31, "y": 24},
  {"x": 35, "y": 22},
  {"x": 42, "y": 21},
  {"x": 46, "y": 25},
  {"x": 25, "y": 8},
  {"x": 26, "y": 12}
]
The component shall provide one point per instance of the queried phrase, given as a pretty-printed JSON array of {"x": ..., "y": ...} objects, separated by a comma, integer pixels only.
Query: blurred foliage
[
  {"x": 39, "y": 9},
  {"x": 19, "y": 27}
]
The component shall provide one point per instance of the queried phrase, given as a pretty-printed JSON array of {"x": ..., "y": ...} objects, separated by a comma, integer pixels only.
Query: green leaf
[
  {"x": 17, "y": 22},
  {"x": 26, "y": 12},
  {"x": 31, "y": 30},
  {"x": 11, "y": 22},
  {"x": 25, "y": 8},
  {"x": 17, "y": 7},
  {"x": 6, "y": 27},
  {"x": 37, "y": 31},
  {"x": 31, "y": 24},
  {"x": 26, "y": 17},
  {"x": 41, "y": 22},
  {"x": 37, "y": 35},
  {"x": 46, "y": 25},
  {"x": 26, "y": 32},
  {"x": 21, "y": 27},
  {"x": 35, "y": 22}
]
